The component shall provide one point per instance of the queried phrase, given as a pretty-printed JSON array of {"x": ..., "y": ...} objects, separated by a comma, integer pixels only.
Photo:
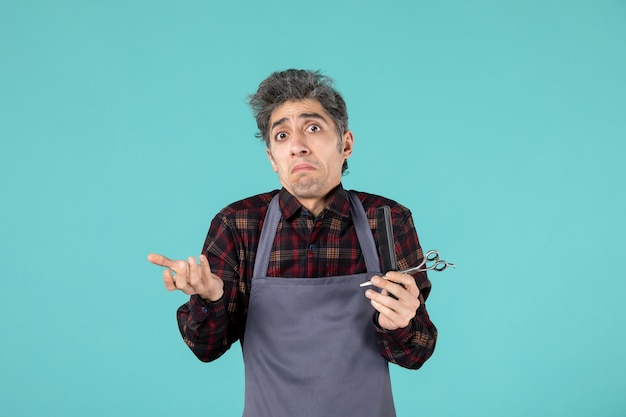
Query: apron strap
[
  {"x": 266, "y": 241},
  {"x": 364, "y": 234},
  {"x": 361, "y": 225}
]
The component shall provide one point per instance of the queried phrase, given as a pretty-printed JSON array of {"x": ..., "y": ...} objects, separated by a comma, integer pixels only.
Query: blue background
[{"x": 501, "y": 124}]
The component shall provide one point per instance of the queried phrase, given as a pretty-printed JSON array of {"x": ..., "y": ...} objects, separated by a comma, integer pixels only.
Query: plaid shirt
[{"x": 304, "y": 247}]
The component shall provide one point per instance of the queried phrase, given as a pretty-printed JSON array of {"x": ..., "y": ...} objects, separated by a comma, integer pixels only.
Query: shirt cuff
[{"x": 201, "y": 309}]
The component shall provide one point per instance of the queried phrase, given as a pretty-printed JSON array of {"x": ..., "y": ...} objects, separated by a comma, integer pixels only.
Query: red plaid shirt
[{"x": 305, "y": 247}]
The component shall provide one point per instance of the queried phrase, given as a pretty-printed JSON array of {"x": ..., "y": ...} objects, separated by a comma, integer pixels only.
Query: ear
[
  {"x": 347, "y": 143},
  {"x": 269, "y": 156}
]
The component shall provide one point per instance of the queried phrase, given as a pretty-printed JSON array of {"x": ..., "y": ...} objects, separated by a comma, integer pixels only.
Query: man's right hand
[{"x": 190, "y": 277}]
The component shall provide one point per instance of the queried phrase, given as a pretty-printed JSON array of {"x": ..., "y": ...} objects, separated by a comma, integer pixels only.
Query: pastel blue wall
[{"x": 501, "y": 124}]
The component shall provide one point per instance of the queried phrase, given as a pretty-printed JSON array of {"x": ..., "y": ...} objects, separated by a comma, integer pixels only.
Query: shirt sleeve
[
  {"x": 209, "y": 329},
  {"x": 411, "y": 346}
]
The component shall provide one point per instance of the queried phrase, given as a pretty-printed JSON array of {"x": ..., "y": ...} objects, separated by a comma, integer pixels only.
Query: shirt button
[
  {"x": 313, "y": 247},
  {"x": 204, "y": 310}
]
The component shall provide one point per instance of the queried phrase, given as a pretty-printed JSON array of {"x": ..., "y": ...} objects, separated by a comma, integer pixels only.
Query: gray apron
[{"x": 309, "y": 347}]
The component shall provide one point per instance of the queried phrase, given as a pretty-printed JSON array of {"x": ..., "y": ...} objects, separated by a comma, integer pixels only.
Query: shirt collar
[{"x": 339, "y": 203}]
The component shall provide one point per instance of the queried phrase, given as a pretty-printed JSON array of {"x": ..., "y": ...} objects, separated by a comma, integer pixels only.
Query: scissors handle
[
  {"x": 437, "y": 266},
  {"x": 431, "y": 257}
]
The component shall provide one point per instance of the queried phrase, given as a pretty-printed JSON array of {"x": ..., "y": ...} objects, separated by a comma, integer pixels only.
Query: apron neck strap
[{"x": 361, "y": 225}]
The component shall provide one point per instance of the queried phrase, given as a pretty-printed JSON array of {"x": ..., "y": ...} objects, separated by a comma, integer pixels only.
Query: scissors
[{"x": 431, "y": 262}]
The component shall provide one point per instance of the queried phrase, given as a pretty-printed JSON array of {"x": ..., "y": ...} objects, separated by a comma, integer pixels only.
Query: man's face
[{"x": 305, "y": 149}]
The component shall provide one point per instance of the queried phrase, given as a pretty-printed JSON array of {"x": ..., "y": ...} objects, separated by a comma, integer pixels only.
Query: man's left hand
[{"x": 397, "y": 311}]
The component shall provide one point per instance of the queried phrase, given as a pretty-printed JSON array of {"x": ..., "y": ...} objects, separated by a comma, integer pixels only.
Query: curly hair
[{"x": 293, "y": 85}]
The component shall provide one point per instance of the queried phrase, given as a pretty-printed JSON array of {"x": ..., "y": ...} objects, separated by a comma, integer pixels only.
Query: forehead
[{"x": 308, "y": 107}]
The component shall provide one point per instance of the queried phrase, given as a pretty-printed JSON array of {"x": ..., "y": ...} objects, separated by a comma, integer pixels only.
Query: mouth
[{"x": 302, "y": 168}]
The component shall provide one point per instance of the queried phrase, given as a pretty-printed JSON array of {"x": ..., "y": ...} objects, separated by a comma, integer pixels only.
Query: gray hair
[{"x": 293, "y": 84}]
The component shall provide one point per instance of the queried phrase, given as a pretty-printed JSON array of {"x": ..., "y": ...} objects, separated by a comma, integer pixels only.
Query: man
[{"x": 280, "y": 271}]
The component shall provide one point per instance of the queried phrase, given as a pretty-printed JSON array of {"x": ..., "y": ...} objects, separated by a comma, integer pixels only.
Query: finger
[
  {"x": 204, "y": 264},
  {"x": 387, "y": 318},
  {"x": 195, "y": 275},
  {"x": 405, "y": 280},
  {"x": 179, "y": 272},
  {"x": 168, "y": 280},
  {"x": 384, "y": 299},
  {"x": 160, "y": 260},
  {"x": 394, "y": 314},
  {"x": 399, "y": 301},
  {"x": 398, "y": 289},
  {"x": 407, "y": 297}
]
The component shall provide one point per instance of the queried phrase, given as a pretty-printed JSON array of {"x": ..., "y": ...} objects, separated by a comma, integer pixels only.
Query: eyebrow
[{"x": 300, "y": 116}]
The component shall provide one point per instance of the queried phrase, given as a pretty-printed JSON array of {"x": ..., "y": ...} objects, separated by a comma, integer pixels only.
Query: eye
[
  {"x": 313, "y": 128},
  {"x": 280, "y": 136}
]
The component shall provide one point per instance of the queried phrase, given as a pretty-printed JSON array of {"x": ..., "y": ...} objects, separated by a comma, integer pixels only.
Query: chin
[{"x": 307, "y": 189}]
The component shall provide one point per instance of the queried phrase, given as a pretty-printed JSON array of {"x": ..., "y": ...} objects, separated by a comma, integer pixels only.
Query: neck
[{"x": 315, "y": 205}]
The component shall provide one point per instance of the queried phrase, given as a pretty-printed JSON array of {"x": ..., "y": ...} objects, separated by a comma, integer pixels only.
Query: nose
[{"x": 299, "y": 144}]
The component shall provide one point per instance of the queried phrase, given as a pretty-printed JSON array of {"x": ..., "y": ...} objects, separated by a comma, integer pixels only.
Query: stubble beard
[{"x": 306, "y": 188}]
